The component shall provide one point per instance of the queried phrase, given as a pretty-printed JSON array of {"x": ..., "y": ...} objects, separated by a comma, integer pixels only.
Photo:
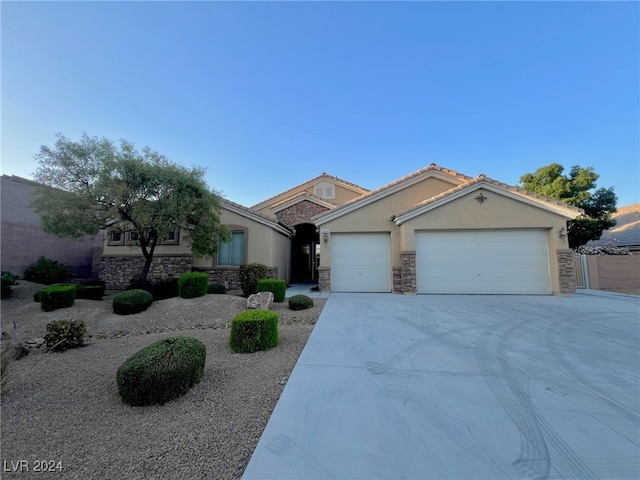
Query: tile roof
[
  {"x": 291, "y": 191},
  {"x": 275, "y": 223},
  {"x": 482, "y": 178},
  {"x": 301, "y": 196},
  {"x": 381, "y": 190},
  {"x": 626, "y": 232}
]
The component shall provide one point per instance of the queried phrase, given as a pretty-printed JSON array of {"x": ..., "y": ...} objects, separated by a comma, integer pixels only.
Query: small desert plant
[
  {"x": 64, "y": 334},
  {"x": 216, "y": 288},
  {"x": 5, "y": 360},
  {"x": 193, "y": 284},
  {"x": 254, "y": 330},
  {"x": 300, "y": 302},
  {"x": 273, "y": 285},
  {"x": 57, "y": 296},
  {"x": 47, "y": 271},
  {"x": 162, "y": 371},
  {"x": 249, "y": 274},
  {"x": 132, "y": 301}
]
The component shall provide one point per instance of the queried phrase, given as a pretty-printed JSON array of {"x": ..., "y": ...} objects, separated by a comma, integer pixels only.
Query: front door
[{"x": 305, "y": 254}]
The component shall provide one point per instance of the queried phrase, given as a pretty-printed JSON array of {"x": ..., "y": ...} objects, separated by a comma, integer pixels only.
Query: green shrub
[
  {"x": 162, "y": 371},
  {"x": 300, "y": 302},
  {"x": 37, "y": 296},
  {"x": 91, "y": 290},
  {"x": 276, "y": 286},
  {"x": 132, "y": 301},
  {"x": 193, "y": 284},
  {"x": 47, "y": 271},
  {"x": 254, "y": 330},
  {"x": 160, "y": 289},
  {"x": 64, "y": 334},
  {"x": 57, "y": 296},
  {"x": 7, "y": 280},
  {"x": 249, "y": 274},
  {"x": 216, "y": 288}
]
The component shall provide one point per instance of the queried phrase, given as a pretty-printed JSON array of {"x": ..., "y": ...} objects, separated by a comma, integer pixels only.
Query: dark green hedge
[
  {"x": 300, "y": 302},
  {"x": 193, "y": 284},
  {"x": 57, "y": 296},
  {"x": 249, "y": 274},
  {"x": 132, "y": 301},
  {"x": 162, "y": 371},
  {"x": 254, "y": 330},
  {"x": 47, "y": 271},
  {"x": 273, "y": 285}
]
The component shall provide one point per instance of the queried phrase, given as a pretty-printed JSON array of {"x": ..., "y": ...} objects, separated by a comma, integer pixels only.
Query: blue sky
[{"x": 268, "y": 95}]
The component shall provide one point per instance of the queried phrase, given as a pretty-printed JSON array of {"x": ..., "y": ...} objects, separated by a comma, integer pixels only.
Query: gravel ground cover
[{"x": 63, "y": 409}]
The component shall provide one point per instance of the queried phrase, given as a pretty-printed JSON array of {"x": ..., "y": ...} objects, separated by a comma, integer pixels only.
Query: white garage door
[
  {"x": 360, "y": 262},
  {"x": 483, "y": 261}
]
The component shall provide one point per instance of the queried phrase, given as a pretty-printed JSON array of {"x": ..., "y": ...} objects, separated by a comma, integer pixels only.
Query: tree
[
  {"x": 93, "y": 184},
  {"x": 576, "y": 189}
]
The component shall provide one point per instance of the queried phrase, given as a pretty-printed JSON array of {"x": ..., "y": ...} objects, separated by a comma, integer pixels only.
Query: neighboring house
[
  {"x": 433, "y": 231},
  {"x": 23, "y": 240},
  {"x": 626, "y": 232}
]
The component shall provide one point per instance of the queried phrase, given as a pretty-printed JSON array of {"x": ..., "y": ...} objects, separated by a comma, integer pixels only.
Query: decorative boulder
[{"x": 260, "y": 301}]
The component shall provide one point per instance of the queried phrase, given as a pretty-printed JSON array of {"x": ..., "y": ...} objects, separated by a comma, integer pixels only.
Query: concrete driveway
[{"x": 461, "y": 387}]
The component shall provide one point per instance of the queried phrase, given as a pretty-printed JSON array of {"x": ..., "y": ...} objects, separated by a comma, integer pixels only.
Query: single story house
[
  {"x": 433, "y": 231},
  {"x": 626, "y": 231}
]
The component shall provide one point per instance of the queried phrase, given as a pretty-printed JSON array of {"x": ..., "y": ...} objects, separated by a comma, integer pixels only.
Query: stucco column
[
  {"x": 408, "y": 272},
  {"x": 565, "y": 270}
]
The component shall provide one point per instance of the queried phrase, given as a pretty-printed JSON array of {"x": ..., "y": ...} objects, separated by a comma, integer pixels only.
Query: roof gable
[
  {"x": 301, "y": 189},
  {"x": 256, "y": 216},
  {"x": 483, "y": 182},
  {"x": 300, "y": 198},
  {"x": 433, "y": 170}
]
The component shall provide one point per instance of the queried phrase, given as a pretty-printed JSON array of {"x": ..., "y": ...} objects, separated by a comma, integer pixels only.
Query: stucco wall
[
  {"x": 23, "y": 240},
  {"x": 376, "y": 217}
]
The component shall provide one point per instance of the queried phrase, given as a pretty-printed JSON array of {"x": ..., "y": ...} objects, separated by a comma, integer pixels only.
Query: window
[
  {"x": 232, "y": 252},
  {"x": 115, "y": 238},
  {"x": 325, "y": 190},
  {"x": 172, "y": 239},
  {"x": 133, "y": 236}
]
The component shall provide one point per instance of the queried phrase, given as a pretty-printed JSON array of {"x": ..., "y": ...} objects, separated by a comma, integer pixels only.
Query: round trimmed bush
[
  {"x": 132, "y": 301},
  {"x": 193, "y": 284},
  {"x": 161, "y": 372},
  {"x": 300, "y": 302},
  {"x": 59, "y": 295},
  {"x": 254, "y": 330},
  {"x": 274, "y": 285}
]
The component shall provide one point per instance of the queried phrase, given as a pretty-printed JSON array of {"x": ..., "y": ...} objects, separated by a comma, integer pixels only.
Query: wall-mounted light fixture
[
  {"x": 325, "y": 235},
  {"x": 563, "y": 234}
]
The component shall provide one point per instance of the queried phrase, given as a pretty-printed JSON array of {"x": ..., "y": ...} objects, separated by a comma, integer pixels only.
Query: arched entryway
[{"x": 305, "y": 253}]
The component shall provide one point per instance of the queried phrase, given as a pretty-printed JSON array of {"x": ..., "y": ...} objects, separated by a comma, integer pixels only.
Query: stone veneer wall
[
  {"x": 324, "y": 279},
  {"x": 397, "y": 279},
  {"x": 408, "y": 272},
  {"x": 301, "y": 212},
  {"x": 229, "y": 276},
  {"x": 118, "y": 272},
  {"x": 565, "y": 270}
]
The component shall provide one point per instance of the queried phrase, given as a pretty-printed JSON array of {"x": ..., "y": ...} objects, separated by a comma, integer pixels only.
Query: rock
[{"x": 260, "y": 301}]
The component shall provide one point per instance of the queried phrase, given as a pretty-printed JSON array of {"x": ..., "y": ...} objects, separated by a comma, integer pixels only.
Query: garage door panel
[
  {"x": 483, "y": 261},
  {"x": 360, "y": 263}
]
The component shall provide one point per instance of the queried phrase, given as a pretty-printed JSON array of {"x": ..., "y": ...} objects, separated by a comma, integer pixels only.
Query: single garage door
[
  {"x": 483, "y": 261},
  {"x": 360, "y": 262}
]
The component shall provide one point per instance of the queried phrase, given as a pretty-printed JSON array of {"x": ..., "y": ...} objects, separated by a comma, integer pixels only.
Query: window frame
[{"x": 237, "y": 229}]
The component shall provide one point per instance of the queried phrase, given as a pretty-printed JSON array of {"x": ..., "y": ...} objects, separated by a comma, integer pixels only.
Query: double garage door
[{"x": 478, "y": 261}]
